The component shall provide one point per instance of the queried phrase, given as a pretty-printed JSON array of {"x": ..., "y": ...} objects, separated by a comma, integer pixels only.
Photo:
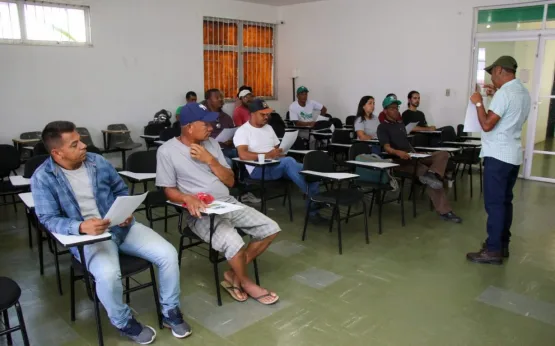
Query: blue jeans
[
  {"x": 229, "y": 154},
  {"x": 499, "y": 179},
  {"x": 288, "y": 168},
  {"x": 141, "y": 241}
]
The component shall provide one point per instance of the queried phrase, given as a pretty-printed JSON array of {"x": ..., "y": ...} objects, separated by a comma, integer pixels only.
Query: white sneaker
[{"x": 250, "y": 198}]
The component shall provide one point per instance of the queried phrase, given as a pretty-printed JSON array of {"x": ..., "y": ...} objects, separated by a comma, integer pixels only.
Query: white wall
[
  {"x": 345, "y": 49},
  {"x": 147, "y": 54}
]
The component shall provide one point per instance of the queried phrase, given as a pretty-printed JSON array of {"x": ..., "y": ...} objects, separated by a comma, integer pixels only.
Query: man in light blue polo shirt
[{"x": 502, "y": 153}]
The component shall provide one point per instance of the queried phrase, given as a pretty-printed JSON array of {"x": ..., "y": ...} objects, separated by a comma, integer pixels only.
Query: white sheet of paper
[
  {"x": 226, "y": 135},
  {"x": 217, "y": 207},
  {"x": 322, "y": 118},
  {"x": 123, "y": 207},
  {"x": 471, "y": 123},
  {"x": 288, "y": 140},
  {"x": 419, "y": 156},
  {"x": 410, "y": 127}
]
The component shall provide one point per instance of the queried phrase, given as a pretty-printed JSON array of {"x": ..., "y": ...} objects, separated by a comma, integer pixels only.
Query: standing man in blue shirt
[{"x": 502, "y": 153}]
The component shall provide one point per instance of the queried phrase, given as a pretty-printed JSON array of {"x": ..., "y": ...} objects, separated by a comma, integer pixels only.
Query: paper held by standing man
[{"x": 471, "y": 122}]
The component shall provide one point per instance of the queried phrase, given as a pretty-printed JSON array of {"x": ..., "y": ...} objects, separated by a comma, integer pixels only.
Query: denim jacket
[{"x": 56, "y": 206}]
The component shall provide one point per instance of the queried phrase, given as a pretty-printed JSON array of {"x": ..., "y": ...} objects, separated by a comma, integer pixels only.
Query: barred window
[
  {"x": 239, "y": 53},
  {"x": 29, "y": 22}
]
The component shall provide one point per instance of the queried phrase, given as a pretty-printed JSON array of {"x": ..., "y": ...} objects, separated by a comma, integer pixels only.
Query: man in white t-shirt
[
  {"x": 300, "y": 111},
  {"x": 257, "y": 137}
]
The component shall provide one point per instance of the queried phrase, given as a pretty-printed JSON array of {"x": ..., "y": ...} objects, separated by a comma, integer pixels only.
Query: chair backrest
[
  {"x": 328, "y": 116},
  {"x": 85, "y": 135},
  {"x": 40, "y": 149},
  {"x": 287, "y": 115},
  {"x": 337, "y": 123},
  {"x": 350, "y": 120},
  {"x": 277, "y": 124},
  {"x": 154, "y": 129},
  {"x": 118, "y": 139},
  {"x": 448, "y": 134},
  {"x": 142, "y": 162},
  {"x": 420, "y": 140},
  {"x": 9, "y": 159},
  {"x": 94, "y": 150},
  {"x": 32, "y": 164},
  {"x": 358, "y": 149},
  {"x": 31, "y": 135},
  {"x": 341, "y": 137},
  {"x": 169, "y": 133},
  {"x": 460, "y": 131},
  {"x": 318, "y": 161},
  {"x": 320, "y": 125}
]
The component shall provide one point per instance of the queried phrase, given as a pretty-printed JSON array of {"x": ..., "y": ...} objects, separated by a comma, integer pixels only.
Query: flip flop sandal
[
  {"x": 231, "y": 290},
  {"x": 259, "y": 298}
]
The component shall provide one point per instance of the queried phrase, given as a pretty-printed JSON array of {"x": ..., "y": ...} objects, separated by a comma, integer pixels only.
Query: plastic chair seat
[{"x": 10, "y": 293}]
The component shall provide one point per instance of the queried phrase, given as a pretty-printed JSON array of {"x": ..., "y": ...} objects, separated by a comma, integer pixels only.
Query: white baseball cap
[{"x": 244, "y": 93}]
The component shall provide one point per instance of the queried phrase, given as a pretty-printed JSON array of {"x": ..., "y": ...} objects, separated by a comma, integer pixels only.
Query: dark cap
[
  {"x": 193, "y": 111},
  {"x": 505, "y": 61},
  {"x": 259, "y": 105}
]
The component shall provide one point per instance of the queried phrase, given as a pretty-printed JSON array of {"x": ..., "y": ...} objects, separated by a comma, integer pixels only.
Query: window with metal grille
[
  {"x": 29, "y": 22},
  {"x": 239, "y": 53}
]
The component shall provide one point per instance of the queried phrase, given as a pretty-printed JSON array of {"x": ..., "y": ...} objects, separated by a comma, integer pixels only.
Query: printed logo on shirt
[{"x": 306, "y": 116}]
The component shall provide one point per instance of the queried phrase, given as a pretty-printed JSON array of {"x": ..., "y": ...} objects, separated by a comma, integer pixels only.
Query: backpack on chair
[
  {"x": 375, "y": 176},
  {"x": 162, "y": 117}
]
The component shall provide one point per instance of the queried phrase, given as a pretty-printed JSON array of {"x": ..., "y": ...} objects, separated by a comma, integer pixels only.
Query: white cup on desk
[{"x": 261, "y": 158}]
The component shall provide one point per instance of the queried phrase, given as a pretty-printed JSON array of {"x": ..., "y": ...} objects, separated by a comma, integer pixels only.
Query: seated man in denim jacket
[{"x": 73, "y": 190}]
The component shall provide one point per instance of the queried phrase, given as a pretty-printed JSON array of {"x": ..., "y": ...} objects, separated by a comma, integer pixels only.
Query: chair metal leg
[
  {"x": 333, "y": 216},
  {"x": 166, "y": 218},
  {"x": 339, "y": 232},
  {"x": 41, "y": 252},
  {"x": 180, "y": 252},
  {"x": 7, "y": 325},
  {"x": 97, "y": 318},
  {"x": 288, "y": 191},
  {"x": 127, "y": 294},
  {"x": 365, "y": 222},
  {"x": 30, "y": 231},
  {"x": 413, "y": 192},
  {"x": 217, "y": 281},
  {"x": 72, "y": 292},
  {"x": 22, "y": 324},
  {"x": 306, "y": 219},
  {"x": 57, "y": 263},
  {"x": 402, "y": 200},
  {"x": 380, "y": 207},
  {"x": 348, "y": 214},
  {"x": 256, "y": 276},
  {"x": 470, "y": 176},
  {"x": 156, "y": 296},
  {"x": 14, "y": 204},
  {"x": 372, "y": 203}
]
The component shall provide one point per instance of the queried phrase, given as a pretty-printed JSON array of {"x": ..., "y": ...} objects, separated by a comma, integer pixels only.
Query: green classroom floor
[{"x": 410, "y": 286}]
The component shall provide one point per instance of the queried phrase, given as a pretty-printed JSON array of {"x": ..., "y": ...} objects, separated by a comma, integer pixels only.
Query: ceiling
[{"x": 278, "y": 2}]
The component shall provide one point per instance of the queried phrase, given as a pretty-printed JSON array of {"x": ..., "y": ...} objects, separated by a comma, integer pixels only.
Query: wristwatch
[{"x": 479, "y": 104}]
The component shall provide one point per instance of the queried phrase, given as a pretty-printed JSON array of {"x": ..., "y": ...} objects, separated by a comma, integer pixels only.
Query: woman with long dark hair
[{"x": 366, "y": 124}]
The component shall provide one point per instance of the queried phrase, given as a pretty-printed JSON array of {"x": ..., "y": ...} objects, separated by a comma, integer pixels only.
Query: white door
[{"x": 540, "y": 153}]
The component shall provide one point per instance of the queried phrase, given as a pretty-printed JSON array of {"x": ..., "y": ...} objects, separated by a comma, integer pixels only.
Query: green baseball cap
[
  {"x": 302, "y": 89},
  {"x": 388, "y": 101},
  {"x": 504, "y": 61}
]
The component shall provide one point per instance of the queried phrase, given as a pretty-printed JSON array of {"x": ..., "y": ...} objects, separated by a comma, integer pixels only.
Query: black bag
[{"x": 162, "y": 117}]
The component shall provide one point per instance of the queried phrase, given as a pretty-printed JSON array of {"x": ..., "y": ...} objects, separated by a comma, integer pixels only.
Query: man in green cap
[
  {"x": 502, "y": 152},
  {"x": 392, "y": 135},
  {"x": 300, "y": 111}
]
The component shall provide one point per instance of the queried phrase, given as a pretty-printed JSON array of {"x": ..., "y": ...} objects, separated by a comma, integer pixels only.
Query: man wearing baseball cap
[
  {"x": 257, "y": 137},
  {"x": 502, "y": 152},
  {"x": 301, "y": 111},
  {"x": 392, "y": 135},
  {"x": 241, "y": 114},
  {"x": 193, "y": 163}
]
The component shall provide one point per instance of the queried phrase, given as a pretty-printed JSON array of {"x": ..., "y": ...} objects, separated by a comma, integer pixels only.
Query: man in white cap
[{"x": 241, "y": 114}]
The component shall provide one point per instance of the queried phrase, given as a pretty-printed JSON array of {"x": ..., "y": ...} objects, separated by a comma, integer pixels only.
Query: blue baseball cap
[{"x": 192, "y": 112}]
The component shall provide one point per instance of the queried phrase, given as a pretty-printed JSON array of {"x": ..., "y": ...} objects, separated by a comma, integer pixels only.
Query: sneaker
[
  {"x": 250, "y": 198},
  {"x": 174, "y": 321},
  {"x": 450, "y": 216},
  {"x": 142, "y": 335},
  {"x": 431, "y": 180}
]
